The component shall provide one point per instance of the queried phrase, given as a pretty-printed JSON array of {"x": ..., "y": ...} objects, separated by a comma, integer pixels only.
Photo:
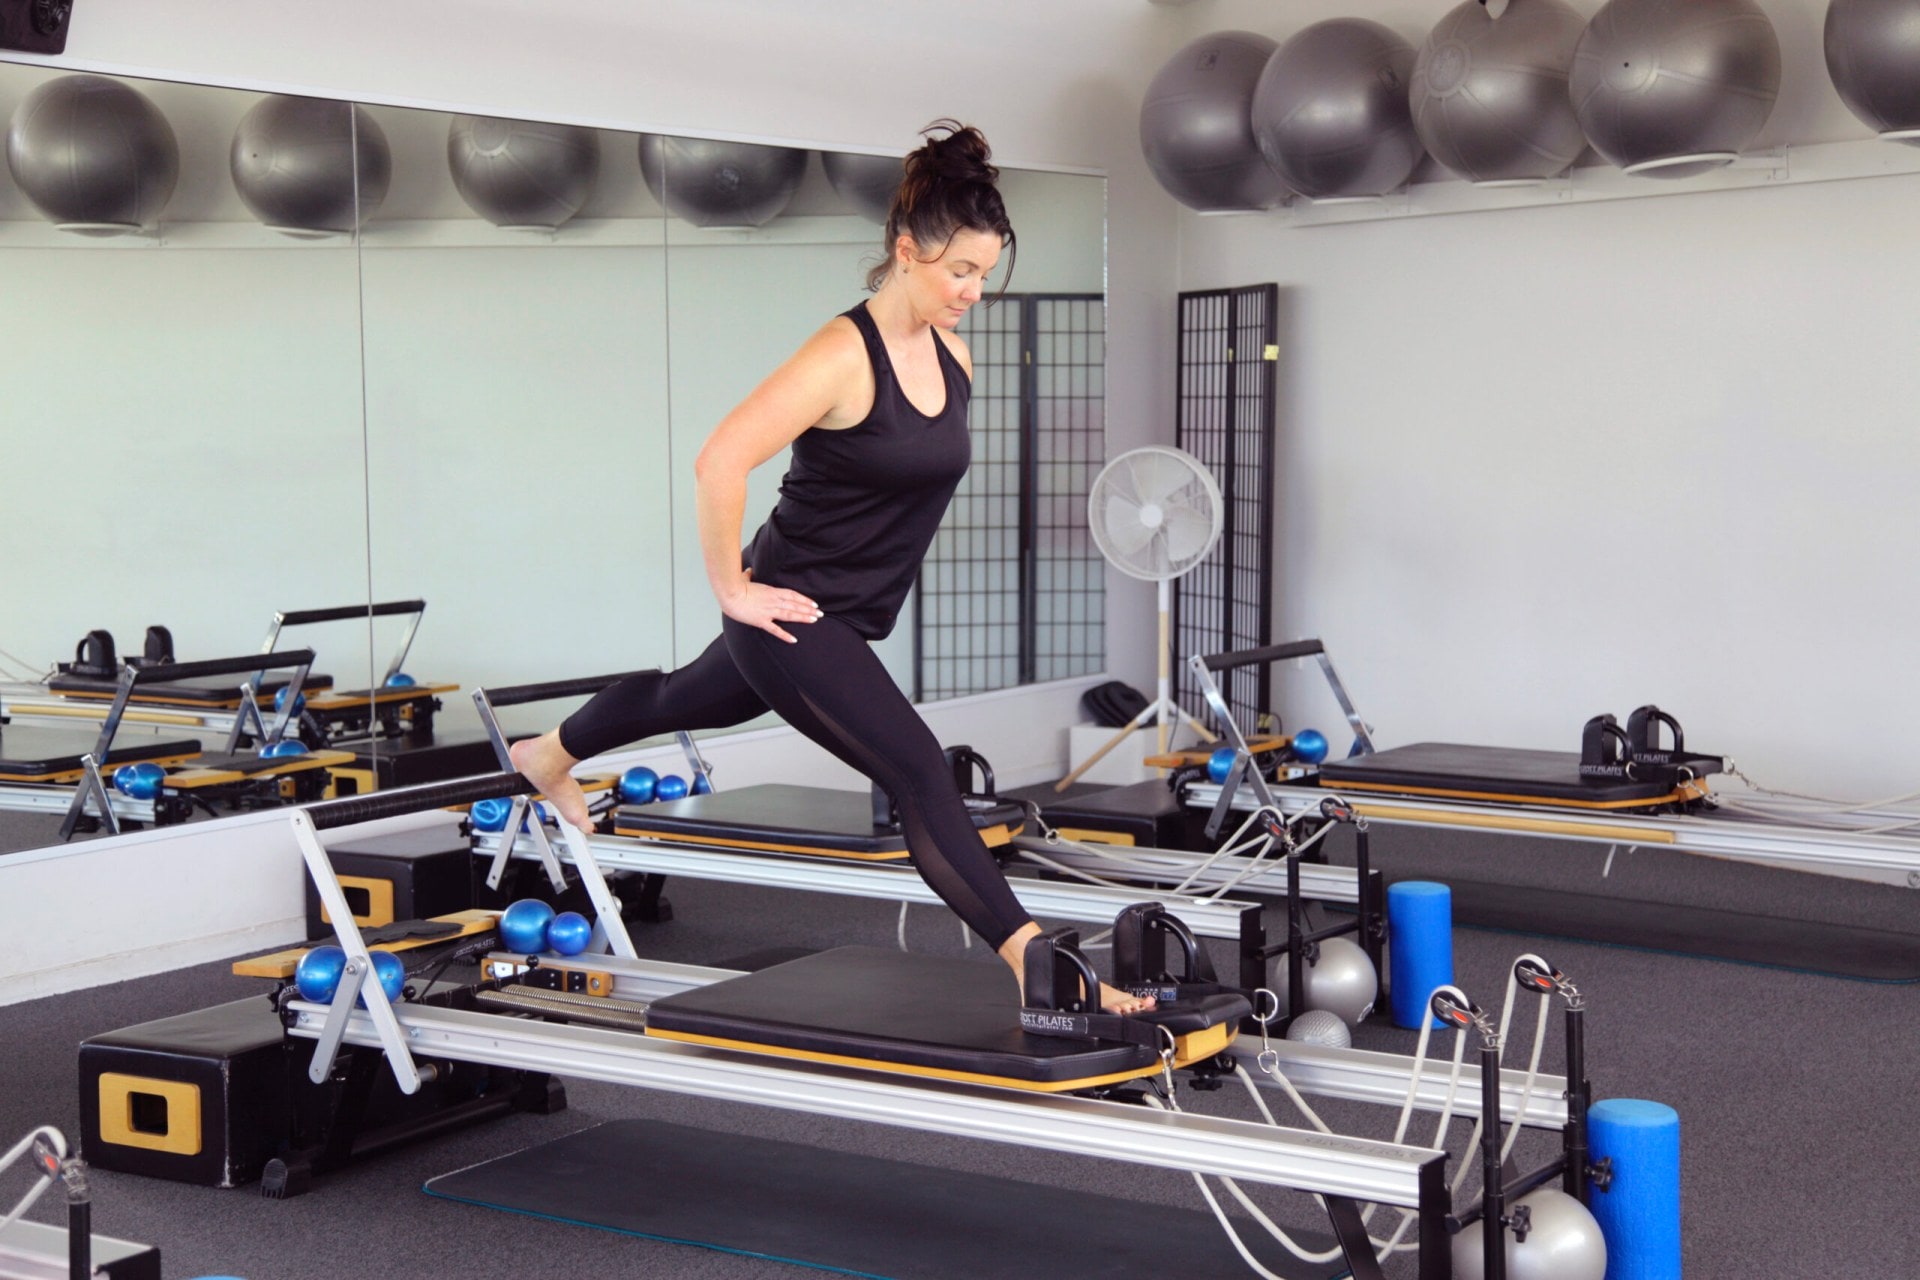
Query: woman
[{"x": 874, "y": 407}]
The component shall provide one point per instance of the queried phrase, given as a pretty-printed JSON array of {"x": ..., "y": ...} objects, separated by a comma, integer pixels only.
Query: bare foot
[
  {"x": 546, "y": 764},
  {"x": 1112, "y": 998}
]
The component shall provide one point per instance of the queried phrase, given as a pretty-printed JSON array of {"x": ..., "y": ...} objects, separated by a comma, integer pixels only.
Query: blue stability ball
[
  {"x": 1331, "y": 111},
  {"x": 1489, "y": 94},
  {"x": 318, "y": 973},
  {"x": 1420, "y": 947},
  {"x": 1220, "y": 764},
  {"x": 1196, "y": 125},
  {"x": 280, "y": 700},
  {"x": 283, "y": 748},
  {"x": 701, "y": 786},
  {"x": 389, "y": 972},
  {"x": 1639, "y": 1213},
  {"x": 568, "y": 933},
  {"x": 1310, "y": 745},
  {"x": 1873, "y": 56},
  {"x": 489, "y": 814},
  {"x": 637, "y": 785},
  {"x": 523, "y": 926},
  {"x": 141, "y": 781},
  {"x": 671, "y": 787},
  {"x": 401, "y": 680},
  {"x": 1674, "y": 88}
]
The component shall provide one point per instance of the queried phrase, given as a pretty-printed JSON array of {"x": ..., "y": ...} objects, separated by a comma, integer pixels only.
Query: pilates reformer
[
  {"x": 841, "y": 1063},
  {"x": 180, "y": 776}
]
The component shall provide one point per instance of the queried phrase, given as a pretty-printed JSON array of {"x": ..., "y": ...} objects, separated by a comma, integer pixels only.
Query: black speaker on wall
[{"x": 35, "y": 26}]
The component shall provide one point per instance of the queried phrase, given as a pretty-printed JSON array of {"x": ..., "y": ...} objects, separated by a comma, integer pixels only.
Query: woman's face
[{"x": 943, "y": 288}]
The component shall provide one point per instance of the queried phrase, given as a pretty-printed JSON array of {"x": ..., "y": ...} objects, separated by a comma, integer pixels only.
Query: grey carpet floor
[{"x": 1799, "y": 1095}]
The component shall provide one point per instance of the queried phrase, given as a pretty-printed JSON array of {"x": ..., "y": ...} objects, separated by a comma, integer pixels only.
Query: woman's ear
[{"x": 905, "y": 253}]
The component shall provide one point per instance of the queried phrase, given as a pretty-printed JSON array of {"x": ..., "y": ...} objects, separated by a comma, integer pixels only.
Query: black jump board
[
  {"x": 210, "y": 691},
  {"x": 34, "y": 751},
  {"x": 779, "y": 813},
  {"x": 1809, "y": 946},
  {"x": 858, "y": 1215},
  {"x": 1510, "y": 771}
]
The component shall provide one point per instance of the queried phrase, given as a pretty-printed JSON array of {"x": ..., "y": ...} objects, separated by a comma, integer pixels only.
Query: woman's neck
[{"x": 893, "y": 314}]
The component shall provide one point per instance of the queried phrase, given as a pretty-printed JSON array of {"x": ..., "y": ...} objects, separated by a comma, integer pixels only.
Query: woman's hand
[{"x": 766, "y": 607}]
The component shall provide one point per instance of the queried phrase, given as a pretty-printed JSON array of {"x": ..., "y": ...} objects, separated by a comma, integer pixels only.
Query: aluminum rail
[
  {"x": 53, "y": 797},
  {"x": 1361, "y": 1168},
  {"x": 1056, "y": 899},
  {"x": 1685, "y": 833},
  {"x": 1362, "y": 1075},
  {"x": 1318, "y": 881}
]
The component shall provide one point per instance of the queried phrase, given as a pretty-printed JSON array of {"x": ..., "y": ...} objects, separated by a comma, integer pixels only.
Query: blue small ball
[
  {"x": 489, "y": 814},
  {"x": 637, "y": 785},
  {"x": 284, "y": 747},
  {"x": 280, "y": 700},
  {"x": 140, "y": 781},
  {"x": 1310, "y": 745},
  {"x": 401, "y": 680},
  {"x": 389, "y": 972},
  {"x": 569, "y": 933},
  {"x": 671, "y": 787},
  {"x": 701, "y": 786},
  {"x": 523, "y": 926},
  {"x": 318, "y": 973},
  {"x": 1220, "y": 764}
]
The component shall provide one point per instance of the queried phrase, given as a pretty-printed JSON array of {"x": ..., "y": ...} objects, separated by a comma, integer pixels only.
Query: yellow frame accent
[
  {"x": 379, "y": 901},
  {"x": 183, "y": 1136}
]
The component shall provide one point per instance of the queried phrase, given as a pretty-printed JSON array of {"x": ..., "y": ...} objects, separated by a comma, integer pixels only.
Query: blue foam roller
[
  {"x": 1420, "y": 947},
  {"x": 1640, "y": 1213}
]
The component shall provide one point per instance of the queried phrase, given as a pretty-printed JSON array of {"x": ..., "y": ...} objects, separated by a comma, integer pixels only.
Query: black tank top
[{"x": 858, "y": 508}]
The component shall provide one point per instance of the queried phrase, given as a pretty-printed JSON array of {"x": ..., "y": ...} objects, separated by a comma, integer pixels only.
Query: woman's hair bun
[
  {"x": 948, "y": 185},
  {"x": 959, "y": 154}
]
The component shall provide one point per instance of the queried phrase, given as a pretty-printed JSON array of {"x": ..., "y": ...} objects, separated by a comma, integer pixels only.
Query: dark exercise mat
[
  {"x": 855, "y": 1214},
  {"x": 1811, "y": 946}
]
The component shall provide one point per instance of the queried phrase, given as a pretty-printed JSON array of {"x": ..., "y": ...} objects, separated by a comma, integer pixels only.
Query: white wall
[{"x": 1540, "y": 464}]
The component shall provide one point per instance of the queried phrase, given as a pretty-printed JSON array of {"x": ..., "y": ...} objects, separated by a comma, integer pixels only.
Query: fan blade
[
  {"x": 1189, "y": 535},
  {"x": 1158, "y": 476},
  {"x": 1123, "y": 527}
]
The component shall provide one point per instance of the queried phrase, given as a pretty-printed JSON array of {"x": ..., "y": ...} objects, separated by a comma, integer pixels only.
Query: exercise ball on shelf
[
  {"x": 1675, "y": 88},
  {"x": 522, "y": 174},
  {"x": 299, "y": 163},
  {"x": 1489, "y": 94},
  {"x": 1873, "y": 56},
  {"x": 1196, "y": 125},
  {"x": 93, "y": 155},
  {"x": 1331, "y": 111},
  {"x": 868, "y": 183},
  {"x": 718, "y": 184}
]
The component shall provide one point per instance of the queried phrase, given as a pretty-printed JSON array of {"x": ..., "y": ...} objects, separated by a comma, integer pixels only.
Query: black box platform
[{"x": 408, "y": 875}]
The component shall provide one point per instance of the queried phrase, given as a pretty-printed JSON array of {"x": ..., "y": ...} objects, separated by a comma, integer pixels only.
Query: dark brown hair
[{"x": 948, "y": 187}]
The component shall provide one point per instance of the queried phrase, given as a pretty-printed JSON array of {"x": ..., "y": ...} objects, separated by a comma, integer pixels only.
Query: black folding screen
[
  {"x": 1225, "y": 413},
  {"x": 1013, "y": 589}
]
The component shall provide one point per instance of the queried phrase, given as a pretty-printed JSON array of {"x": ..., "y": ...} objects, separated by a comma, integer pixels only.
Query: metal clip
[{"x": 1268, "y": 1060}]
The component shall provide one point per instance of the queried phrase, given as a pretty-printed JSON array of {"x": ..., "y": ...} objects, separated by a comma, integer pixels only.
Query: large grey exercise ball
[
  {"x": 1873, "y": 55},
  {"x": 296, "y": 163},
  {"x": 868, "y": 183},
  {"x": 1331, "y": 111},
  {"x": 1489, "y": 94},
  {"x": 1563, "y": 1242},
  {"x": 1196, "y": 125},
  {"x": 720, "y": 184},
  {"x": 1341, "y": 981},
  {"x": 93, "y": 155},
  {"x": 522, "y": 173},
  {"x": 1674, "y": 88}
]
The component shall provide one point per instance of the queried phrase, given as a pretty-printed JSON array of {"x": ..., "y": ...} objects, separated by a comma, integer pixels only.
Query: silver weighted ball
[
  {"x": 1196, "y": 127},
  {"x": 1342, "y": 982},
  {"x": 1489, "y": 95},
  {"x": 868, "y": 183},
  {"x": 1318, "y": 1026},
  {"x": 94, "y": 155},
  {"x": 1563, "y": 1243},
  {"x": 1674, "y": 88},
  {"x": 298, "y": 164},
  {"x": 522, "y": 173},
  {"x": 1873, "y": 55},
  {"x": 720, "y": 184},
  {"x": 1331, "y": 114}
]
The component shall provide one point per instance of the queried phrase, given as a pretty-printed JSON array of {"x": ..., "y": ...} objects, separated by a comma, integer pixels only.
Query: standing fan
[{"x": 1155, "y": 513}]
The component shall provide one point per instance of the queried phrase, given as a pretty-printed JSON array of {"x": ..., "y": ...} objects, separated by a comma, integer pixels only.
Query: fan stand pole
[{"x": 1161, "y": 710}]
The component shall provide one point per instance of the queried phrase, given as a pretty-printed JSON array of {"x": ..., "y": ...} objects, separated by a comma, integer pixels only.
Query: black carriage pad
[
  {"x": 53, "y": 755},
  {"x": 896, "y": 1011},
  {"x": 854, "y": 1214},
  {"x": 1492, "y": 773},
  {"x": 214, "y": 692},
  {"x": 780, "y": 818}
]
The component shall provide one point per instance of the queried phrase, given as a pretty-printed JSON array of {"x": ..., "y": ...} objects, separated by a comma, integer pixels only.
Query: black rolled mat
[
  {"x": 1810, "y": 946},
  {"x": 854, "y": 1214}
]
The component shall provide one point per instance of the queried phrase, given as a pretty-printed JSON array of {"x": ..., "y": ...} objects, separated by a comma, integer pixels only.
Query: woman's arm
[{"x": 805, "y": 391}]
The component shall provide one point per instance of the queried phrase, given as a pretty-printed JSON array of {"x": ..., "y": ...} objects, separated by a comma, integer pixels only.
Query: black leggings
[{"x": 831, "y": 686}]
